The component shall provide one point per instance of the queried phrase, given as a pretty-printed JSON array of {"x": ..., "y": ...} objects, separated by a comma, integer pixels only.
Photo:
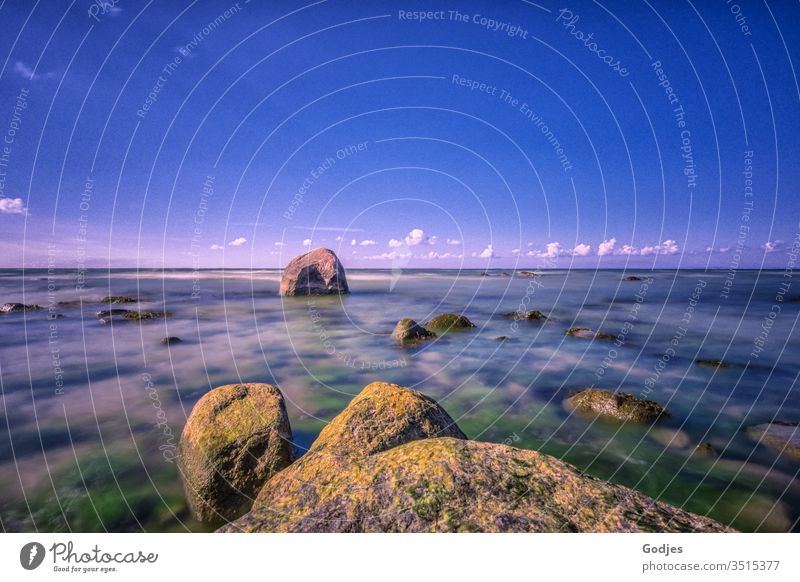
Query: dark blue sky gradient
[{"x": 275, "y": 89}]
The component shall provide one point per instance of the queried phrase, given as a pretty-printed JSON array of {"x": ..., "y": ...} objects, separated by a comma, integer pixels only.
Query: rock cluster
[
  {"x": 395, "y": 461},
  {"x": 408, "y": 331},
  {"x": 619, "y": 406}
]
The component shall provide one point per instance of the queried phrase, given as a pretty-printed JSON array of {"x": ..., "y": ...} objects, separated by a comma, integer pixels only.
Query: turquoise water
[{"x": 94, "y": 449}]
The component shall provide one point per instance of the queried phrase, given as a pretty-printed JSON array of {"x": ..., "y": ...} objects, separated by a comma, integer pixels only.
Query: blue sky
[{"x": 510, "y": 134}]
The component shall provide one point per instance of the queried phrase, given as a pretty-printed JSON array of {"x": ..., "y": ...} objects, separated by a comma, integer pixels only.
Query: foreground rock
[
  {"x": 448, "y": 322},
  {"x": 123, "y": 315},
  {"x": 393, "y": 461},
  {"x": 18, "y": 308},
  {"x": 779, "y": 435},
  {"x": 533, "y": 315},
  {"x": 619, "y": 406},
  {"x": 318, "y": 272},
  {"x": 235, "y": 439},
  {"x": 586, "y": 333},
  {"x": 408, "y": 331},
  {"x": 118, "y": 299}
]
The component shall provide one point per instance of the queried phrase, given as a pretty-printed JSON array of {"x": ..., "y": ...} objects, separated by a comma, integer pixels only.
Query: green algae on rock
[
  {"x": 235, "y": 439},
  {"x": 118, "y": 299},
  {"x": 448, "y": 322},
  {"x": 408, "y": 331},
  {"x": 619, "y": 406},
  {"x": 371, "y": 470}
]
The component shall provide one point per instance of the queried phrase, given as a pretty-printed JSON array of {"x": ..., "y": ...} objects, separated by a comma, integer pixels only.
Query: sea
[{"x": 91, "y": 413}]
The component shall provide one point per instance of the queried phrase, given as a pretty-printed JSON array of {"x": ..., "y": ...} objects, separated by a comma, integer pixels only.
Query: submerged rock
[
  {"x": 449, "y": 321},
  {"x": 712, "y": 363},
  {"x": 317, "y": 272},
  {"x": 533, "y": 315},
  {"x": 118, "y": 299},
  {"x": 586, "y": 333},
  {"x": 779, "y": 435},
  {"x": 121, "y": 315},
  {"x": 171, "y": 340},
  {"x": 408, "y": 331},
  {"x": 527, "y": 273},
  {"x": 363, "y": 475},
  {"x": 502, "y": 338},
  {"x": 235, "y": 439},
  {"x": 619, "y": 406},
  {"x": 705, "y": 450},
  {"x": 632, "y": 278},
  {"x": 71, "y": 303},
  {"x": 18, "y": 308}
]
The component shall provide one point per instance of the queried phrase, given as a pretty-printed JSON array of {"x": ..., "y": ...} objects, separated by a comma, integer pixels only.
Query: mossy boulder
[
  {"x": 533, "y": 315},
  {"x": 18, "y": 308},
  {"x": 371, "y": 470},
  {"x": 408, "y": 331},
  {"x": 779, "y": 435},
  {"x": 383, "y": 416},
  {"x": 619, "y": 406},
  {"x": 452, "y": 485},
  {"x": 236, "y": 438},
  {"x": 449, "y": 322},
  {"x": 317, "y": 272},
  {"x": 586, "y": 333}
]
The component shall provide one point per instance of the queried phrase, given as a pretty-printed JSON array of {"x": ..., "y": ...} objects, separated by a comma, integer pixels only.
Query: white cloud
[
  {"x": 217, "y": 247},
  {"x": 27, "y": 73},
  {"x": 394, "y": 243},
  {"x": 668, "y": 247},
  {"x": 307, "y": 242},
  {"x": 453, "y": 241},
  {"x": 278, "y": 244},
  {"x": 606, "y": 247},
  {"x": 237, "y": 242},
  {"x": 368, "y": 243},
  {"x": 514, "y": 251},
  {"x": 628, "y": 250},
  {"x": 338, "y": 238},
  {"x": 581, "y": 250},
  {"x": 553, "y": 250},
  {"x": 772, "y": 246},
  {"x": 487, "y": 253},
  {"x": 12, "y": 206},
  {"x": 416, "y": 237},
  {"x": 353, "y": 243}
]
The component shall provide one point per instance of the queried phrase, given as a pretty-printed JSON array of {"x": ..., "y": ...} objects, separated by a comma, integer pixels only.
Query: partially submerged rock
[
  {"x": 354, "y": 481},
  {"x": 171, "y": 340},
  {"x": 317, "y": 272},
  {"x": 123, "y": 315},
  {"x": 712, "y": 363},
  {"x": 706, "y": 450},
  {"x": 527, "y": 273},
  {"x": 533, "y": 315},
  {"x": 448, "y": 322},
  {"x": 586, "y": 333},
  {"x": 619, "y": 406},
  {"x": 118, "y": 299},
  {"x": 632, "y": 278},
  {"x": 18, "y": 308},
  {"x": 408, "y": 331},
  {"x": 780, "y": 435},
  {"x": 235, "y": 439}
]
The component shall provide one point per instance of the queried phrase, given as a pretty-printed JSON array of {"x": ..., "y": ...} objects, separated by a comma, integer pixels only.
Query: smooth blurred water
[{"x": 112, "y": 429}]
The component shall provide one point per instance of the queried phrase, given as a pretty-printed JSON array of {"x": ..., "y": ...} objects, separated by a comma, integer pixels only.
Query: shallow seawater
[{"x": 98, "y": 452}]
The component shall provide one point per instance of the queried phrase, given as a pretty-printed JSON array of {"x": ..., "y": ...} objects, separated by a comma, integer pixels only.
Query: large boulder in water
[
  {"x": 236, "y": 438},
  {"x": 317, "y": 272},
  {"x": 394, "y": 461},
  {"x": 408, "y": 331}
]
